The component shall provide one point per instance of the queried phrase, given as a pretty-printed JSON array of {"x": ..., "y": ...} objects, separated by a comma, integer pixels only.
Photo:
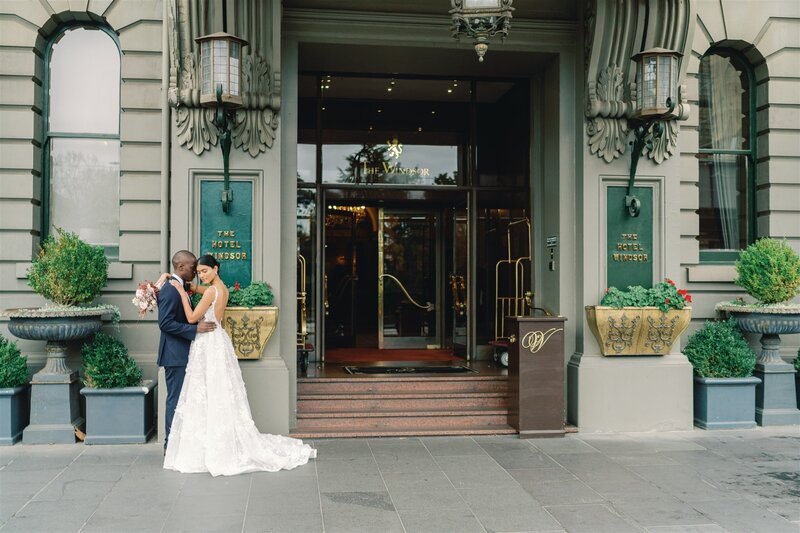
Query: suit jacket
[{"x": 176, "y": 332}]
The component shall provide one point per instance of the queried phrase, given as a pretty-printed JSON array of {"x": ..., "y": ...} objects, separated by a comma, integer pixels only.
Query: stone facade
[{"x": 159, "y": 166}]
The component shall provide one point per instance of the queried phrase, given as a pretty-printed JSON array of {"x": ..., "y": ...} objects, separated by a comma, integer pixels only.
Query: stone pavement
[{"x": 682, "y": 481}]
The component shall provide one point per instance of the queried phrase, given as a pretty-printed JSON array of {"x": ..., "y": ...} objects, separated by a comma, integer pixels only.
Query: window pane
[
  {"x": 723, "y": 202},
  {"x": 502, "y": 133},
  {"x": 306, "y": 163},
  {"x": 724, "y": 104},
  {"x": 84, "y": 83},
  {"x": 84, "y": 189}
]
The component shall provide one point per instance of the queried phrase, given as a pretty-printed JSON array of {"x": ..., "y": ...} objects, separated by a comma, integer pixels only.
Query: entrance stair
[{"x": 386, "y": 405}]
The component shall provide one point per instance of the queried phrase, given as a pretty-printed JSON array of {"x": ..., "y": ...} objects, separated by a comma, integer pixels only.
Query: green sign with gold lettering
[
  {"x": 228, "y": 236},
  {"x": 629, "y": 239}
]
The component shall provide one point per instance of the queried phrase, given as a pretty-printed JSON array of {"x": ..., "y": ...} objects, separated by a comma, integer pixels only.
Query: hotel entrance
[{"x": 407, "y": 188}]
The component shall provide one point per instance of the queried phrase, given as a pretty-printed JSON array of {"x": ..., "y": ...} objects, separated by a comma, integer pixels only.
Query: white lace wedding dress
[{"x": 213, "y": 430}]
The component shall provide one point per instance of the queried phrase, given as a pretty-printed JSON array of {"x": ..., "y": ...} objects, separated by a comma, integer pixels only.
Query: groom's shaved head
[{"x": 183, "y": 257}]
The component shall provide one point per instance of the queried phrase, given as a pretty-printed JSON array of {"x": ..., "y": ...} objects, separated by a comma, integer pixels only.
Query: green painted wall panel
[{"x": 629, "y": 239}]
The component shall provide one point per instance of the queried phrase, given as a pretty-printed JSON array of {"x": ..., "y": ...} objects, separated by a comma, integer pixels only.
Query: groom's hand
[{"x": 205, "y": 327}]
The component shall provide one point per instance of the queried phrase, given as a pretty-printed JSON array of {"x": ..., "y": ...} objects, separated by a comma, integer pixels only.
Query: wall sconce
[
  {"x": 656, "y": 97},
  {"x": 480, "y": 20},
  {"x": 220, "y": 87}
]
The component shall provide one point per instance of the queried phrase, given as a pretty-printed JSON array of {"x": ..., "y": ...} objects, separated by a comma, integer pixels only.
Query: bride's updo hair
[{"x": 209, "y": 261}]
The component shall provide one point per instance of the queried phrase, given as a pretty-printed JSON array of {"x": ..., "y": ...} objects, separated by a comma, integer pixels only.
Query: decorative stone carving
[
  {"x": 257, "y": 120},
  {"x": 612, "y": 29}
]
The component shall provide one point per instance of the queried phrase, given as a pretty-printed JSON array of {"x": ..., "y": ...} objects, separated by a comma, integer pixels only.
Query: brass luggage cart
[
  {"x": 303, "y": 346},
  {"x": 518, "y": 300}
]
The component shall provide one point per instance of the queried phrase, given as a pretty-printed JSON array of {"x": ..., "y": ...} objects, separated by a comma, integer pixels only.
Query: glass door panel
[{"x": 408, "y": 287}]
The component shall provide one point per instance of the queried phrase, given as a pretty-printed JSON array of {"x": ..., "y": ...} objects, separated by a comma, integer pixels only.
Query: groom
[{"x": 176, "y": 333}]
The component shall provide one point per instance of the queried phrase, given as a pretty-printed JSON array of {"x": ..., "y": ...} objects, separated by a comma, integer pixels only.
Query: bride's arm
[
  {"x": 199, "y": 289},
  {"x": 164, "y": 277},
  {"x": 193, "y": 316}
]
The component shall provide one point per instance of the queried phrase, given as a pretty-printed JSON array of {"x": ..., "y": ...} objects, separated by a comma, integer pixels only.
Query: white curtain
[{"x": 723, "y": 94}]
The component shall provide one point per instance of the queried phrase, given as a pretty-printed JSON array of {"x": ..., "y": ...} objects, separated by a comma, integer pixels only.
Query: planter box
[
  {"x": 725, "y": 403},
  {"x": 250, "y": 329},
  {"x": 120, "y": 416},
  {"x": 636, "y": 330},
  {"x": 15, "y": 410}
]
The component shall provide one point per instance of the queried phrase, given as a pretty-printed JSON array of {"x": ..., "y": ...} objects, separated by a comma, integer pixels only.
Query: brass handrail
[{"x": 428, "y": 305}]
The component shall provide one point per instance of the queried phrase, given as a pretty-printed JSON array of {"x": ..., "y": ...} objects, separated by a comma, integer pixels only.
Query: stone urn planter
[
  {"x": 55, "y": 413},
  {"x": 250, "y": 328},
  {"x": 725, "y": 403},
  {"x": 776, "y": 400},
  {"x": 15, "y": 405},
  {"x": 636, "y": 330},
  {"x": 124, "y": 415}
]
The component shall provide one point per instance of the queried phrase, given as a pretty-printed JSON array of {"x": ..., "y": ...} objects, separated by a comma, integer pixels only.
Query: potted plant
[
  {"x": 724, "y": 387},
  {"x": 70, "y": 274},
  {"x": 769, "y": 270},
  {"x": 797, "y": 377},
  {"x": 640, "y": 321},
  {"x": 250, "y": 318},
  {"x": 14, "y": 392},
  {"x": 119, "y": 405}
]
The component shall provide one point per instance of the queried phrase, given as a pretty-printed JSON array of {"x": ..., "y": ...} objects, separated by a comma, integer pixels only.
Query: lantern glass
[
  {"x": 220, "y": 66},
  {"x": 656, "y": 81},
  {"x": 481, "y": 4}
]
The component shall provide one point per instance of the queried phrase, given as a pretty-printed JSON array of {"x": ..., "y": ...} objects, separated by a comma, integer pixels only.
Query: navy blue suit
[{"x": 173, "y": 348}]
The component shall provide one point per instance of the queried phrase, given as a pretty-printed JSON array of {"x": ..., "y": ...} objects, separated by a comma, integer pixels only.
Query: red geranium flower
[
  {"x": 688, "y": 298},
  {"x": 670, "y": 282},
  {"x": 666, "y": 300},
  {"x": 236, "y": 286}
]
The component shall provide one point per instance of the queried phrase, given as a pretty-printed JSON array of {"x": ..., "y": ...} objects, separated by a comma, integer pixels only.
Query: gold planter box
[
  {"x": 250, "y": 329},
  {"x": 636, "y": 330}
]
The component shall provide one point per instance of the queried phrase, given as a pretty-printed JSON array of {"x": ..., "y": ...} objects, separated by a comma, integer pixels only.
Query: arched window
[
  {"x": 81, "y": 142},
  {"x": 727, "y": 155}
]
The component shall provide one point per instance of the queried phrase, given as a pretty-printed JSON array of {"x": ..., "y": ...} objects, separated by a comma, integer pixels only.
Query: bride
[{"x": 213, "y": 430}]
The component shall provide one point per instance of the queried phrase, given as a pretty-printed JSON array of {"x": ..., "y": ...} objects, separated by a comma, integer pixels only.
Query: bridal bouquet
[{"x": 146, "y": 298}]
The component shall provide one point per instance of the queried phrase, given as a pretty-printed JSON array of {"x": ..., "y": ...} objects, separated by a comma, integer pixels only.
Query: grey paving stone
[
  {"x": 358, "y": 475},
  {"x": 567, "y": 445},
  {"x": 595, "y": 462},
  {"x": 667, "y": 443},
  {"x": 541, "y": 475},
  {"x": 422, "y": 491},
  {"x": 359, "y": 511},
  {"x": 508, "y": 509},
  {"x": 398, "y": 443},
  {"x": 336, "y": 449},
  {"x": 706, "y": 528},
  {"x": 440, "y": 521},
  {"x": 404, "y": 460},
  {"x": 475, "y": 472},
  {"x": 562, "y": 492},
  {"x": 26, "y": 483},
  {"x": 10, "y": 504},
  {"x": 207, "y": 523},
  {"x": 643, "y": 459},
  {"x": 682, "y": 482},
  {"x": 593, "y": 518},
  {"x": 445, "y": 446},
  {"x": 83, "y": 482},
  {"x": 306, "y": 522},
  {"x": 665, "y": 511},
  {"x": 118, "y": 522},
  {"x": 518, "y": 458},
  {"x": 744, "y": 516},
  {"x": 50, "y": 516},
  {"x": 615, "y": 444}
]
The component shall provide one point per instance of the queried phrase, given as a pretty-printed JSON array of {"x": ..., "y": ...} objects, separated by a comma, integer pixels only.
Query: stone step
[
  {"x": 430, "y": 431},
  {"x": 388, "y": 385},
  {"x": 383, "y": 419},
  {"x": 421, "y": 400}
]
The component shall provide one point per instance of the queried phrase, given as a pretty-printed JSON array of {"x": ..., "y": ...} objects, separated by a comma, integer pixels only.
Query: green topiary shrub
[
  {"x": 13, "y": 365},
  {"x": 257, "y": 293},
  {"x": 719, "y": 350},
  {"x": 769, "y": 270},
  {"x": 68, "y": 271},
  {"x": 797, "y": 361},
  {"x": 106, "y": 364}
]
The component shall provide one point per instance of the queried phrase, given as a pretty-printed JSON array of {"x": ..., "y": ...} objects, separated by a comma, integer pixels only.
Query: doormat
[{"x": 406, "y": 370}]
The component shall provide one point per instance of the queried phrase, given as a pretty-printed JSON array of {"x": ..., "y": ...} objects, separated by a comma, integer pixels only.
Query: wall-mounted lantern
[
  {"x": 221, "y": 88},
  {"x": 656, "y": 97},
  {"x": 481, "y": 20}
]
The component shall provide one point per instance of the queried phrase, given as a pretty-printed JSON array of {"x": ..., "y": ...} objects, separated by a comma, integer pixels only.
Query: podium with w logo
[{"x": 536, "y": 376}]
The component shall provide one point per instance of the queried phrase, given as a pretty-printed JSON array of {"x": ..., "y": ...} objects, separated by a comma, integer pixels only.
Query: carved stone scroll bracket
[
  {"x": 607, "y": 114},
  {"x": 666, "y": 145}
]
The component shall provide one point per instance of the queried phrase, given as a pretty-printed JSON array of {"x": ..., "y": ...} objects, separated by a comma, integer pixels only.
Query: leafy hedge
[
  {"x": 13, "y": 365},
  {"x": 664, "y": 295},
  {"x": 719, "y": 350},
  {"x": 107, "y": 365},
  {"x": 256, "y": 294}
]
